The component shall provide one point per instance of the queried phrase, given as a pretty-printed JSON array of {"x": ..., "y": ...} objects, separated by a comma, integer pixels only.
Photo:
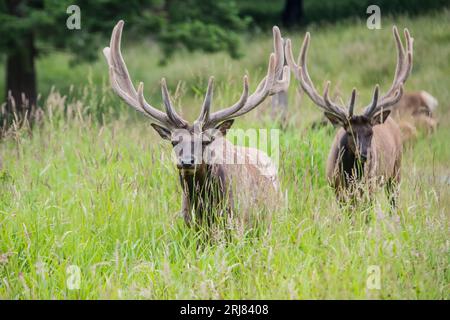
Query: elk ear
[
  {"x": 224, "y": 126},
  {"x": 163, "y": 132},
  {"x": 335, "y": 121},
  {"x": 380, "y": 117}
]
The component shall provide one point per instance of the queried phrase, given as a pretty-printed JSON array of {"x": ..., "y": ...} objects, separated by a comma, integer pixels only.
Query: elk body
[
  {"x": 367, "y": 148},
  {"x": 415, "y": 112},
  {"x": 217, "y": 178}
]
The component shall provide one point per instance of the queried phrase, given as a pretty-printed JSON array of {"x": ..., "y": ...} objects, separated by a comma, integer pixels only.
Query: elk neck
[
  {"x": 349, "y": 162},
  {"x": 205, "y": 189}
]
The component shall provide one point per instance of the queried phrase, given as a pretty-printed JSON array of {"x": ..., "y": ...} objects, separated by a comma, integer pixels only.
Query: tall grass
[{"x": 93, "y": 192}]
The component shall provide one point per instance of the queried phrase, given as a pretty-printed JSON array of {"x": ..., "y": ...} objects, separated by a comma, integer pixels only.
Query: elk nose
[{"x": 187, "y": 162}]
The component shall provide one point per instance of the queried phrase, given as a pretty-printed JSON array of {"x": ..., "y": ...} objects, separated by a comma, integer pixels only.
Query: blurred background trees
[
  {"x": 295, "y": 13},
  {"x": 35, "y": 27},
  {"x": 30, "y": 28}
]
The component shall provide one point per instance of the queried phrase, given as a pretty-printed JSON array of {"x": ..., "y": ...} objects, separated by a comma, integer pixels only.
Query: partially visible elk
[
  {"x": 213, "y": 182},
  {"x": 368, "y": 147},
  {"x": 415, "y": 112}
]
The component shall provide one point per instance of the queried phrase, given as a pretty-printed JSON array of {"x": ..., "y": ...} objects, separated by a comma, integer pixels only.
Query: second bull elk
[
  {"x": 212, "y": 181},
  {"x": 367, "y": 147}
]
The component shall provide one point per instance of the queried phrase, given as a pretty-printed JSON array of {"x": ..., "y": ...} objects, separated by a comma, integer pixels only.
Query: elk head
[
  {"x": 191, "y": 140},
  {"x": 359, "y": 128}
]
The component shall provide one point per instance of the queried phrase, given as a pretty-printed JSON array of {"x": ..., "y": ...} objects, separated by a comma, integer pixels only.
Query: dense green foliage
[
  {"x": 96, "y": 195},
  {"x": 176, "y": 25},
  {"x": 32, "y": 28},
  {"x": 210, "y": 25},
  {"x": 197, "y": 25}
]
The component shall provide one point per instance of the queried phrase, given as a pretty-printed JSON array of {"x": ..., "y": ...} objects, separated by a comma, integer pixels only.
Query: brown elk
[
  {"x": 367, "y": 147},
  {"x": 414, "y": 112},
  {"x": 213, "y": 182}
]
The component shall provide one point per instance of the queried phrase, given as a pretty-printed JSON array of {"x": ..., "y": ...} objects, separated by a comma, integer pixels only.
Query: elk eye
[
  {"x": 207, "y": 139},
  {"x": 175, "y": 141}
]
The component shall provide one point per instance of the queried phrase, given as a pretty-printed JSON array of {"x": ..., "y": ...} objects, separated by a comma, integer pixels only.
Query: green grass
[{"x": 96, "y": 195}]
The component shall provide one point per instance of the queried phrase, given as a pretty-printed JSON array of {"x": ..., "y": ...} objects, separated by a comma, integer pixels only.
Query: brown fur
[
  {"x": 368, "y": 147},
  {"x": 209, "y": 188},
  {"x": 226, "y": 186},
  {"x": 414, "y": 113},
  {"x": 383, "y": 161}
]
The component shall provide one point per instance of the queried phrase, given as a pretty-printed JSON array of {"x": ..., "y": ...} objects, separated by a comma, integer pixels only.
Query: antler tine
[
  {"x": 116, "y": 59},
  {"x": 409, "y": 46},
  {"x": 278, "y": 46},
  {"x": 329, "y": 105},
  {"x": 170, "y": 111},
  {"x": 402, "y": 71},
  {"x": 403, "y": 66},
  {"x": 301, "y": 74},
  {"x": 290, "y": 59},
  {"x": 391, "y": 100},
  {"x": 269, "y": 85},
  {"x": 305, "y": 79},
  {"x": 141, "y": 100},
  {"x": 218, "y": 116},
  {"x": 374, "y": 101},
  {"x": 121, "y": 82},
  {"x": 206, "y": 107},
  {"x": 400, "y": 58},
  {"x": 351, "y": 104},
  {"x": 326, "y": 93}
]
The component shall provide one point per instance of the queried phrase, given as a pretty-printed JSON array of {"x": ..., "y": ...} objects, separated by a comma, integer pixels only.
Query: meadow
[{"x": 91, "y": 186}]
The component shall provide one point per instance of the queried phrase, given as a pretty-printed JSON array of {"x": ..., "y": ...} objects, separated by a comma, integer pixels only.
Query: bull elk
[
  {"x": 212, "y": 181},
  {"x": 367, "y": 147}
]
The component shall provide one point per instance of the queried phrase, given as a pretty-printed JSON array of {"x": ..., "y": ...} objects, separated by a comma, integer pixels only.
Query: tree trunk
[
  {"x": 20, "y": 72},
  {"x": 292, "y": 13},
  {"x": 21, "y": 76}
]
